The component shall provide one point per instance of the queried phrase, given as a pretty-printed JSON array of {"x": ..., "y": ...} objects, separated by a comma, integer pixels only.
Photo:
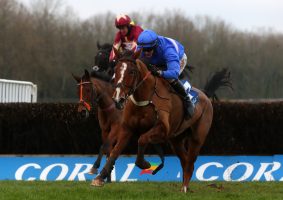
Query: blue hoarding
[{"x": 207, "y": 168}]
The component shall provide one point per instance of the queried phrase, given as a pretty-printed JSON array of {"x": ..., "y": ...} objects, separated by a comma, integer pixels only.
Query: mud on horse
[
  {"x": 96, "y": 93},
  {"x": 155, "y": 111}
]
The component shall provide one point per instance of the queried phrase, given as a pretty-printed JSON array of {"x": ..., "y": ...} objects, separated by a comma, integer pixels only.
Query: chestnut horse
[
  {"x": 156, "y": 112},
  {"x": 94, "y": 92}
]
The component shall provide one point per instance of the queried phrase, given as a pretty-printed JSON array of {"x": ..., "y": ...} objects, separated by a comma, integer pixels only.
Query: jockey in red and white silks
[{"x": 127, "y": 36}]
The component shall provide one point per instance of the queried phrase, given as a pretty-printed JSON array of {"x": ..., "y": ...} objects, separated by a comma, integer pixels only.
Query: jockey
[
  {"x": 170, "y": 59},
  {"x": 127, "y": 36}
]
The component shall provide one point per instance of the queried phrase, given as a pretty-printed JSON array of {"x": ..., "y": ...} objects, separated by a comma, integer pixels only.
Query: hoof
[
  {"x": 143, "y": 164},
  {"x": 97, "y": 182},
  {"x": 93, "y": 171},
  {"x": 184, "y": 189}
]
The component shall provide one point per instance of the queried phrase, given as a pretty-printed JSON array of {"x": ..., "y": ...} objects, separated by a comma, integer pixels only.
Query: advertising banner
[{"x": 207, "y": 168}]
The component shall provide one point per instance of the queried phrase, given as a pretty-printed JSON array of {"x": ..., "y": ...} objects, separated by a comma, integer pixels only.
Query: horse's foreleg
[
  {"x": 112, "y": 137},
  {"x": 122, "y": 141},
  {"x": 160, "y": 152},
  {"x": 102, "y": 150},
  {"x": 96, "y": 164},
  {"x": 153, "y": 136}
]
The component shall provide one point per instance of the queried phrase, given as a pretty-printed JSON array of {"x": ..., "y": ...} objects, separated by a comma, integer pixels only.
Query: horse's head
[
  {"x": 101, "y": 59},
  {"x": 127, "y": 76},
  {"x": 86, "y": 93}
]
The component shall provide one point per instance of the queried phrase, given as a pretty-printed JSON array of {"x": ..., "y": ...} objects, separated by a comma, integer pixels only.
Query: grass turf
[{"x": 37, "y": 190}]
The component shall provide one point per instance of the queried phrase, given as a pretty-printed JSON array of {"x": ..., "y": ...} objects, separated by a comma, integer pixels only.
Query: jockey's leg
[{"x": 189, "y": 106}]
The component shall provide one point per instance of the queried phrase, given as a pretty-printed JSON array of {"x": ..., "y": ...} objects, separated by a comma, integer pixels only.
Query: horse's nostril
[{"x": 120, "y": 104}]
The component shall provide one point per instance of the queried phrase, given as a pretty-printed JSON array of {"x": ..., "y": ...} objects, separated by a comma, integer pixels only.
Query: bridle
[
  {"x": 82, "y": 101},
  {"x": 93, "y": 94},
  {"x": 137, "y": 75}
]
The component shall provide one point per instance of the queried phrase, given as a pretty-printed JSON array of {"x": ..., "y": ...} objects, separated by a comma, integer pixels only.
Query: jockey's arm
[
  {"x": 173, "y": 65},
  {"x": 172, "y": 72},
  {"x": 134, "y": 46},
  {"x": 116, "y": 45}
]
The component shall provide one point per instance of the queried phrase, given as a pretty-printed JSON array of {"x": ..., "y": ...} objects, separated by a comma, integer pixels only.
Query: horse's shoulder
[{"x": 166, "y": 85}]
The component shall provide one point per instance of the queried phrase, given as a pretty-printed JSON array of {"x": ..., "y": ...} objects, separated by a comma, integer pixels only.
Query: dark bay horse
[
  {"x": 101, "y": 59},
  {"x": 155, "y": 111},
  {"x": 94, "y": 92}
]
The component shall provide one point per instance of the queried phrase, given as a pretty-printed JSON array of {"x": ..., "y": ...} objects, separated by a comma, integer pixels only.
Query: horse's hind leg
[
  {"x": 195, "y": 142},
  {"x": 177, "y": 146}
]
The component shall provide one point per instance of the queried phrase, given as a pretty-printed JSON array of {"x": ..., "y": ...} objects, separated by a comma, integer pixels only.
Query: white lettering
[
  {"x": 63, "y": 173},
  {"x": 200, "y": 171},
  {"x": 248, "y": 172},
  {"x": 127, "y": 173},
  {"x": 76, "y": 172},
  {"x": 19, "y": 173},
  {"x": 267, "y": 174},
  {"x": 113, "y": 174}
]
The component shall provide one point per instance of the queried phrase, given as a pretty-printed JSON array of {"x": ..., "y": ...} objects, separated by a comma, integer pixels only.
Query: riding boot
[{"x": 189, "y": 106}]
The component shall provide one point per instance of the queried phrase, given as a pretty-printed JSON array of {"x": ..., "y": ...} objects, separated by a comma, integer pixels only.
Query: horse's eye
[{"x": 132, "y": 72}]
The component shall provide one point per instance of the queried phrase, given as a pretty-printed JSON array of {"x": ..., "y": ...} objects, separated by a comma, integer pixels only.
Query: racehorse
[
  {"x": 101, "y": 59},
  {"x": 96, "y": 93},
  {"x": 154, "y": 110}
]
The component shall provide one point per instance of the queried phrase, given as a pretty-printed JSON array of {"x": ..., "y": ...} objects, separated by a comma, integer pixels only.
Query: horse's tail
[{"x": 218, "y": 79}]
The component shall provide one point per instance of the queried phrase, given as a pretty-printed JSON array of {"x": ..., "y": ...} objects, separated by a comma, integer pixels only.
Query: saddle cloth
[{"x": 190, "y": 92}]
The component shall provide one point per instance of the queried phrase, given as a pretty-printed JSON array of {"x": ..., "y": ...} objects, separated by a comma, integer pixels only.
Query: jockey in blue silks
[{"x": 169, "y": 57}]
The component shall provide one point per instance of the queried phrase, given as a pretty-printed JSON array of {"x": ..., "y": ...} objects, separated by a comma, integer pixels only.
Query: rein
[{"x": 147, "y": 102}]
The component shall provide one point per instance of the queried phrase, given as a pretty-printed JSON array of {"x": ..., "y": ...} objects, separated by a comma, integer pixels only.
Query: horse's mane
[
  {"x": 101, "y": 75},
  {"x": 126, "y": 54},
  {"x": 106, "y": 46}
]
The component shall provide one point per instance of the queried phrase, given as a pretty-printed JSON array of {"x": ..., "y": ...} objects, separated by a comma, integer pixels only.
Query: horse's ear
[
  {"x": 117, "y": 53},
  {"x": 87, "y": 74},
  {"x": 78, "y": 79},
  {"x": 98, "y": 45},
  {"x": 137, "y": 54}
]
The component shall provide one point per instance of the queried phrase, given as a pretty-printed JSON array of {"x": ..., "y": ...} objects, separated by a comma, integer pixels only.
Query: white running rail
[{"x": 17, "y": 91}]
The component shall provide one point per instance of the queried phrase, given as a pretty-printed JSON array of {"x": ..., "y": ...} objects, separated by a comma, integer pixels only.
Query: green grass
[{"x": 14, "y": 190}]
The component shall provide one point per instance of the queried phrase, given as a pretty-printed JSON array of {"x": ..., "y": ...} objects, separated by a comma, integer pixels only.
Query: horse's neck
[
  {"x": 146, "y": 89},
  {"x": 104, "y": 92}
]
